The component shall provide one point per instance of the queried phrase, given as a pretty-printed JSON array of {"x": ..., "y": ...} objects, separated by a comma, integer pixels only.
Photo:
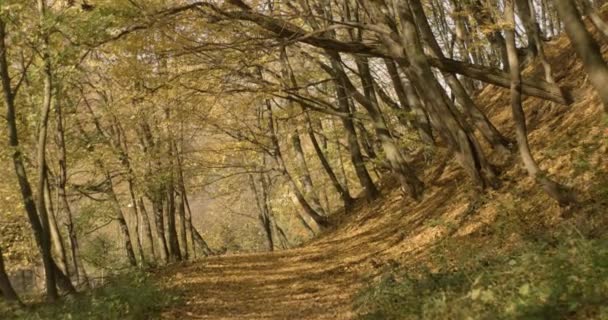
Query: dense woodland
[{"x": 119, "y": 112}]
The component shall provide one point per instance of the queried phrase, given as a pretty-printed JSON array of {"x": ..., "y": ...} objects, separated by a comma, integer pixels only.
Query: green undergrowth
[
  {"x": 564, "y": 277},
  {"x": 131, "y": 296}
]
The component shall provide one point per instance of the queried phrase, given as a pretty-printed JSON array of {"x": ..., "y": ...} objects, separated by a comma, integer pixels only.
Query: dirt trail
[
  {"x": 317, "y": 281},
  {"x": 294, "y": 284}
]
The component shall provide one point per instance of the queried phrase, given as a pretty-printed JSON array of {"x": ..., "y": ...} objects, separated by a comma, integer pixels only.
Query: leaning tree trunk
[
  {"x": 454, "y": 129},
  {"x": 586, "y": 47},
  {"x": 405, "y": 174},
  {"x": 317, "y": 217},
  {"x": 479, "y": 119},
  {"x": 342, "y": 190},
  {"x": 197, "y": 239},
  {"x": 552, "y": 188},
  {"x": 305, "y": 178},
  {"x": 410, "y": 104},
  {"x": 370, "y": 189}
]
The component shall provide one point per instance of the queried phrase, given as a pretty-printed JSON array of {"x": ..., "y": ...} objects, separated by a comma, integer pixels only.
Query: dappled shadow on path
[{"x": 316, "y": 281}]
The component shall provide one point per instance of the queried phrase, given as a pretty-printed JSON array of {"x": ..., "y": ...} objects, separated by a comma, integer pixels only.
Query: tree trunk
[
  {"x": 597, "y": 20},
  {"x": 487, "y": 129},
  {"x": 147, "y": 226},
  {"x": 181, "y": 210},
  {"x": 136, "y": 215},
  {"x": 174, "y": 251},
  {"x": 122, "y": 223},
  {"x": 263, "y": 216},
  {"x": 63, "y": 205},
  {"x": 159, "y": 221},
  {"x": 552, "y": 188},
  {"x": 453, "y": 129},
  {"x": 196, "y": 236},
  {"x": 57, "y": 238},
  {"x": 410, "y": 103},
  {"x": 42, "y": 238},
  {"x": 319, "y": 219},
  {"x": 586, "y": 48},
  {"x": 340, "y": 189},
  {"x": 369, "y": 188},
  {"x": 406, "y": 175},
  {"x": 47, "y": 73},
  {"x": 305, "y": 179}
]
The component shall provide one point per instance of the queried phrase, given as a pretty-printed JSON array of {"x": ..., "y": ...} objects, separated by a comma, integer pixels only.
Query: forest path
[
  {"x": 282, "y": 285},
  {"x": 318, "y": 280}
]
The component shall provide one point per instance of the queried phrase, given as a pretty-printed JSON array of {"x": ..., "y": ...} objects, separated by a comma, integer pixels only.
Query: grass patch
[
  {"x": 567, "y": 279},
  {"x": 131, "y": 296}
]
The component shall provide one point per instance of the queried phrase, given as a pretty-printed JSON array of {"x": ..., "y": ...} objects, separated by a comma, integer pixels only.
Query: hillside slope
[{"x": 321, "y": 279}]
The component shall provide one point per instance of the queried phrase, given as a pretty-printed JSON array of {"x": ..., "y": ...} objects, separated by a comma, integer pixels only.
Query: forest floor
[{"x": 320, "y": 279}]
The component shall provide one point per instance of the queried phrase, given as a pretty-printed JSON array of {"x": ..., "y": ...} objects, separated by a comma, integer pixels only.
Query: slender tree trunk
[
  {"x": 552, "y": 188},
  {"x": 487, "y": 129},
  {"x": 319, "y": 219},
  {"x": 136, "y": 215},
  {"x": 63, "y": 205},
  {"x": 409, "y": 104},
  {"x": 370, "y": 189},
  {"x": 453, "y": 128},
  {"x": 147, "y": 227},
  {"x": 196, "y": 236},
  {"x": 340, "y": 189},
  {"x": 181, "y": 210},
  {"x": 263, "y": 216},
  {"x": 57, "y": 238},
  {"x": 586, "y": 48},
  {"x": 408, "y": 179},
  {"x": 305, "y": 178},
  {"x": 174, "y": 251},
  {"x": 122, "y": 223}
]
